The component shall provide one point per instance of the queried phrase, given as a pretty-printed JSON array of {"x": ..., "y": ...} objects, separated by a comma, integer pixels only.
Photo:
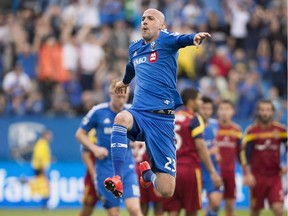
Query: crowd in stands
[{"x": 58, "y": 57}]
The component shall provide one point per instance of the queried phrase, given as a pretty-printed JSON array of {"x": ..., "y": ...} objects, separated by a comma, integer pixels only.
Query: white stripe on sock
[
  {"x": 154, "y": 181},
  {"x": 121, "y": 145}
]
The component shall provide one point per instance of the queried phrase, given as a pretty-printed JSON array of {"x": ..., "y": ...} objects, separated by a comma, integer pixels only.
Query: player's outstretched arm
[{"x": 199, "y": 37}]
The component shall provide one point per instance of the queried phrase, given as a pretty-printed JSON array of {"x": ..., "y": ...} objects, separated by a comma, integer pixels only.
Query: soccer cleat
[
  {"x": 114, "y": 184},
  {"x": 144, "y": 166}
]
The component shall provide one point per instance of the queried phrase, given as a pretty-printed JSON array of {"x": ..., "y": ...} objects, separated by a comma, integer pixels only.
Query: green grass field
[{"x": 97, "y": 212}]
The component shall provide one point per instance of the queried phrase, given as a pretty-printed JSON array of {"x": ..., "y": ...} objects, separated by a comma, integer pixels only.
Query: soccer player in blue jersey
[
  {"x": 214, "y": 194},
  {"x": 153, "y": 63},
  {"x": 101, "y": 118}
]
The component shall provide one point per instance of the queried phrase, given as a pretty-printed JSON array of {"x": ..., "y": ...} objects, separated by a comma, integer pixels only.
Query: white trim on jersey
[{"x": 97, "y": 107}]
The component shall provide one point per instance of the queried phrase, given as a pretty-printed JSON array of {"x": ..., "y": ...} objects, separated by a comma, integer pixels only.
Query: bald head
[
  {"x": 157, "y": 14},
  {"x": 153, "y": 21}
]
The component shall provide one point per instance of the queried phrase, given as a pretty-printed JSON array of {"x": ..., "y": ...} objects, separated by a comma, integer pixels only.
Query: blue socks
[
  {"x": 118, "y": 148},
  {"x": 149, "y": 176}
]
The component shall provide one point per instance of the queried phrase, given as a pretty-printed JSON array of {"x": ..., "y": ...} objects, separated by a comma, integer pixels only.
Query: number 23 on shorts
[{"x": 171, "y": 164}]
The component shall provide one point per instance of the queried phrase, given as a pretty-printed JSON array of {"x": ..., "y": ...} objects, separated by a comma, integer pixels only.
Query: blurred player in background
[
  {"x": 153, "y": 63},
  {"x": 190, "y": 146},
  {"x": 90, "y": 195},
  {"x": 214, "y": 194},
  {"x": 101, "y": 117},
  {"x": 41, "y": 160},
  {"x": 229, "y": 143},
  {"x": 147, "y": 195},
  {"x": 260, "y": 157}
]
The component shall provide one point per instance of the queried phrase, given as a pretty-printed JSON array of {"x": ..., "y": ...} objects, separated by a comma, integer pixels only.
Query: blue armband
[
  {"x": 129, "y": 73},
  {"x": 186, "y": 40}
]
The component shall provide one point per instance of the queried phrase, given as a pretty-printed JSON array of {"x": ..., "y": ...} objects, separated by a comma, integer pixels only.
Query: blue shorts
[
  {"x": 130, "y": 187},
  {"x": 157, "y": 130},
  {"x": 207, "y": 183}
]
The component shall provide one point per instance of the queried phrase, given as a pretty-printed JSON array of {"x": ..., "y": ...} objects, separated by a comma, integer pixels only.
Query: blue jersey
[
  {"x": 101, "y": 117},
  {"x": 210, "y": 134},
  {"x": 155, "y": 66}
]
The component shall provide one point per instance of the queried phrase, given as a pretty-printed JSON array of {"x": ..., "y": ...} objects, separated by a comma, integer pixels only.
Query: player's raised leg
[
  {"x": 159, "y": 140},
  {"x": 163, "y": 182},
  {"x": 119, "y": 147},
  {"x": 166, "y": 184}
]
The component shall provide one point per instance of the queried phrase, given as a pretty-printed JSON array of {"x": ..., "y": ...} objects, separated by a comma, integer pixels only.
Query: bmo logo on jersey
[
  {"x": 153, "y": 57},
  {"x": 139, "y": 61}
]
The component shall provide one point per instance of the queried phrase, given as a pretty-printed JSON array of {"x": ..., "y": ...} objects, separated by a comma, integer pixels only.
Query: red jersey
[
  {"x": 262, "y": 148},
  {"x": 228, "y": 141},
  {"x": 188, "y": 126}
]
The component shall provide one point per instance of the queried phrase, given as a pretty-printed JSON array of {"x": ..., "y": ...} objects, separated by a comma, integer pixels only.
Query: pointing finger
[{"x": 204, "y": 34}]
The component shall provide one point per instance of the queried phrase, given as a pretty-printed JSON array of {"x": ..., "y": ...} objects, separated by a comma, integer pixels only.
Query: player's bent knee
[
  {"x": 166, "y": 184},
  {"x": 167, "y": 193},
  {"x": 124, "y": 118},
  {"x": 167, "y": 190}
]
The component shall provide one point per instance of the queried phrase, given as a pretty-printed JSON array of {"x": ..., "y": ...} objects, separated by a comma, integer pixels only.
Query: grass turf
[{"x": 97, "y": 212}]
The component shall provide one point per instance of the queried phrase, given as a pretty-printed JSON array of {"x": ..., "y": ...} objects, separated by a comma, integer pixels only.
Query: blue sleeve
[
  {"x": 186, "y": 40},
  {"x": 129, "y": 73},
  {"x": 89, "y": 121},
  {"x": 175, "y": 40}
]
